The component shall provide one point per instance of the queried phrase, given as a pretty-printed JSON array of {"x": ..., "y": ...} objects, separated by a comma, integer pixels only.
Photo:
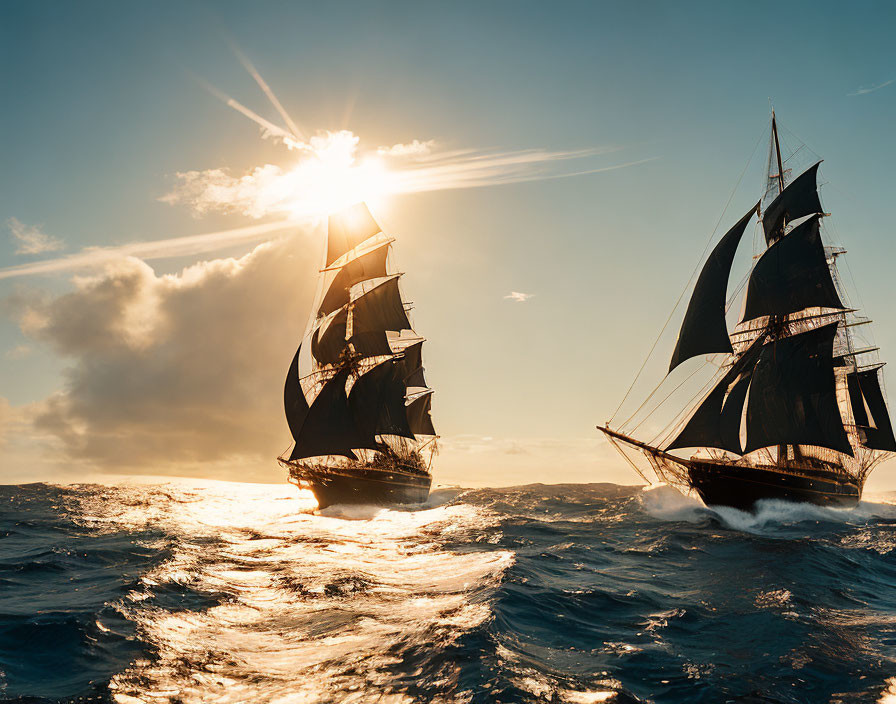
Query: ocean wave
[{"x": 217, "y": 592}]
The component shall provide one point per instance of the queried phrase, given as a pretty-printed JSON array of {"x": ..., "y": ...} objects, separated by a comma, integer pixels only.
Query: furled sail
[
  {"x": 379, "y": 309},
  {"x": 419, "y": 417},
  {"x": 717, "y": 421},
  {"x": 348, "y": 229},
  {"x": 329, "y": 427},
  {"x": 377, "y": 402},
  {"x": 294, "y": 402},
  {"x": 411, "y": 365},
  {"x": 799, "y": 199},
  {"x": 866, "y": 395},
  {"x": 370, "y": 265},
  {"x": 793, "y": 396},
  {"x": 703, "y": 330},
  {"x": 792, "y": 275}
]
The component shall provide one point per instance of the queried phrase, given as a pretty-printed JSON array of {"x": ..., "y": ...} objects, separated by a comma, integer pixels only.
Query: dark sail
[
  {"x": 377, "y": 403},
  {"x": 411, "y": 365},
  {"x": 733, "y": 412},
  {"x": 792, "y": 275},
  {"x": 704, "y": 330},
  {"x": 327, "y": 345},
  {"x": 348, "y": 229},
  {"x": 704, "y": 428},
  {"x": 419, "y": 418},
  {"x": 367, "y": 266},
  {"x": 717, "y": 421},
  {"x": 380, "y": 309},
  {"x": 793, "y": 398},
  {"x": 799, "y": 199},
  {"x": 329, "y": 427},
  {"x": 371, "y": 344},
  {"x": 856, "y": 400},
  {"x": 878, "y": 430},
  {"x": 294, "y": 401}
]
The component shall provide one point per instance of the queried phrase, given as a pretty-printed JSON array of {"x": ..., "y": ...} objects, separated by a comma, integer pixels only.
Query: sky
[{"x": 552, "y": 173}]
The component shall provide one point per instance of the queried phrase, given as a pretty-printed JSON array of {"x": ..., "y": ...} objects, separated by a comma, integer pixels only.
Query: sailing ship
[
  {"x": 797, "y": 409},
  {"x": 356, "y": 399}
]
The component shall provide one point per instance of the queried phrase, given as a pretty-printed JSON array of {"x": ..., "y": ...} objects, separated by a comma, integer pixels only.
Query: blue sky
[{"x": 103, "y": 108}]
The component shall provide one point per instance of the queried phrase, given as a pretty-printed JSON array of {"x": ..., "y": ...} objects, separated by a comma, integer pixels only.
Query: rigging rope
[{"x": 681, "y": 296}]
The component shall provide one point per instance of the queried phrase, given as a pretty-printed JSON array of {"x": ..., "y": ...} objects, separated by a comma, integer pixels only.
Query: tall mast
[{"x": 782, "y": 449}]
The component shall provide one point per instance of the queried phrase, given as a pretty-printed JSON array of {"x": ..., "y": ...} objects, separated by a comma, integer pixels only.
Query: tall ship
[
  {"x": 356, "y": 399},
  {"x": 796, "y": 408}
]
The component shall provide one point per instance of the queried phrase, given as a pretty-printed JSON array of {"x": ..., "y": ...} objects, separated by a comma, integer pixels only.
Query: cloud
[
  {"x": 18, "y": 352},
  {"x": 177, "y": 370},
  {"x": 93, "y": 257},
  {"x": 326, "y": 177},
  {"x": 413, "y": 149},
  {"x": 519, "y": 297},
  {"x": 30, "y": 239},
  {"x": 333, "y": 172},
  {"x": 871, "y": 89},
  {"x": 254, "y": 194}
]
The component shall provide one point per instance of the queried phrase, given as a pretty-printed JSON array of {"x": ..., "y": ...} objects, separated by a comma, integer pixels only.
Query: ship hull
[
  {"x": 741, "y": 487},
  {"x": 363, "y": 486}
]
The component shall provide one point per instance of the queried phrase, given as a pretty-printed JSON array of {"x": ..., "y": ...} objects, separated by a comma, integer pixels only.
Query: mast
[{"x": 773, "y": 320}]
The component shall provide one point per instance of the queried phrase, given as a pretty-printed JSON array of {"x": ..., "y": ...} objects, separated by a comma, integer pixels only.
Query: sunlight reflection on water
[{"x": 304, "y": 605}]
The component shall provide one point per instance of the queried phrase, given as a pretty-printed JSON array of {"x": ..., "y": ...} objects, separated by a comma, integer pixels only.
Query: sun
[{"x": 329, "y": 177}]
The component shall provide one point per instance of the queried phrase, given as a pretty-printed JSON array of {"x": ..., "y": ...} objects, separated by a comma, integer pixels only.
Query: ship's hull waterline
[
  {"x": 349, "y": 485},
  {"x": 741, "y": 487}
]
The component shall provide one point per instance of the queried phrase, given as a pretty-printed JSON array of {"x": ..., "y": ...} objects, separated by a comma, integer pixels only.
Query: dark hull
[
  {"x": 741, "y": 487},
  {"x": 366, "y": 486}
]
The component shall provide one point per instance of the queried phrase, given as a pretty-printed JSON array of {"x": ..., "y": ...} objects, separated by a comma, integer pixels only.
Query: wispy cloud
[
  {"x": 870, "y": 89},
  {"x": 18, "y": 352},
  {"x": 91, "y": 257},
  {"x": 518, "y": 296},
  {"x": 412, "y": 149},
  {"x": 30, "y": 240},
  {"x": 334, "y": 172}
]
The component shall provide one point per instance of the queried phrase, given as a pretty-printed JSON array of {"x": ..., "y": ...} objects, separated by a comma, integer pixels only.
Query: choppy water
[{"x": 578, "y": 593}]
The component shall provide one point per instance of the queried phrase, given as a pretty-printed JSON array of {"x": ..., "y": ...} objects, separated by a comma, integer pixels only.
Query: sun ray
[
  {"x": 290, "y": 139},
  {"x": 249, "y": 66},
  {"x": 91, "y": 257}
]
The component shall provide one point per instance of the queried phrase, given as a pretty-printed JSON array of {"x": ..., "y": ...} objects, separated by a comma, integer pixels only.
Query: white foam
[
  {"x": 770, "y": 514},
  {"x": 668, "y": 504}
]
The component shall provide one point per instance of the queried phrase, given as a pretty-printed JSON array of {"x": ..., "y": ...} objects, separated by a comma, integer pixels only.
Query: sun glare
[
  {"x": 330, "y": 171},
  {"x": 329, "y": 177}
]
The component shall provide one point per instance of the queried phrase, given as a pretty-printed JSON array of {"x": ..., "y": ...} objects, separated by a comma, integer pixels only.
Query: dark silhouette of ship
[
  {"x": 797, "y": 410},
  {"x": 356, "y": 400}
]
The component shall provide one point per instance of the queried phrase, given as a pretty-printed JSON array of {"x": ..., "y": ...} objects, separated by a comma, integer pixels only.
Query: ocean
[{"x": 188, "y": 592}]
